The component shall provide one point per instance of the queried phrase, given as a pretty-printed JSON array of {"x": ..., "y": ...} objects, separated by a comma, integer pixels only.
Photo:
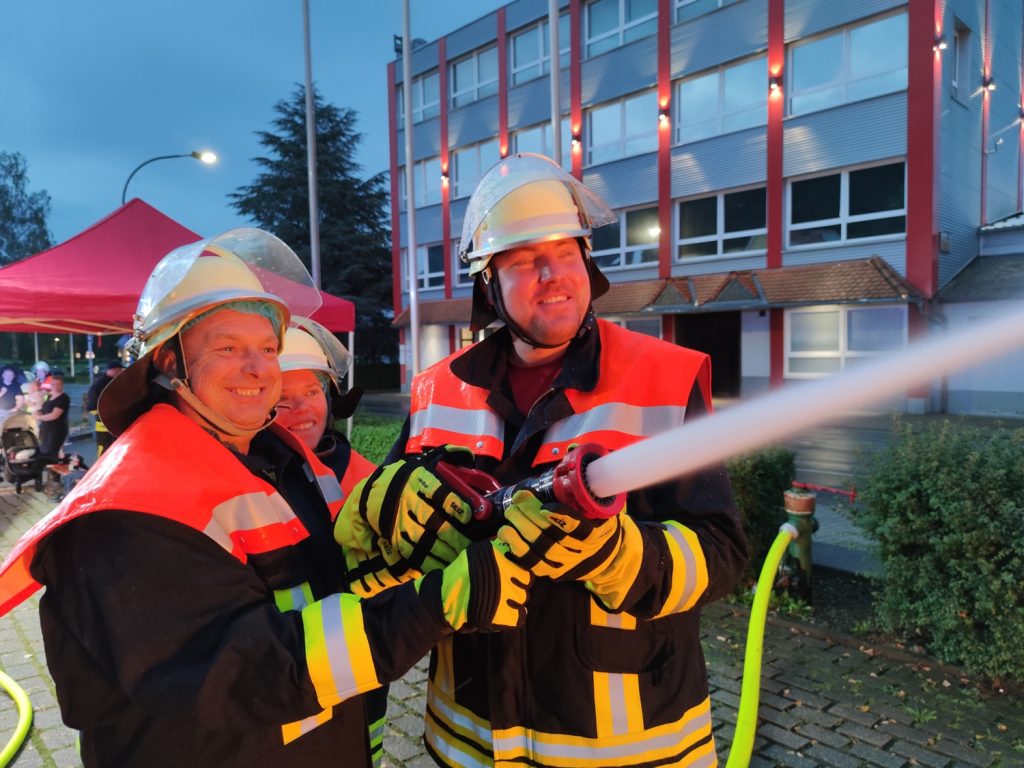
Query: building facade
[{"x": 796, "y": 180}]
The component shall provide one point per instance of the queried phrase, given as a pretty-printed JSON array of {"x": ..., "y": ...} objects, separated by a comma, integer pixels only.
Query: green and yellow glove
[
  {"x": 482, "y": 590},
  {"x": 406, "y": 515}
]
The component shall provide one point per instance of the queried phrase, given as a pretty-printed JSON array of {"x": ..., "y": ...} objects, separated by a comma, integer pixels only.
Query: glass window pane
[
  {"x": 564, "y": 32},
  {"x": 530, "y": 140},
  {"x": 819, "y": 365},
  {"x": 431, "y": 84},
  {"x": 878, "y": 47},
  {"x": 640, "y": 30},
  {"x": 817, "y": 63},
  {"x": 887, "y": 82},
  {"x": 690, "y": 250},
  {"x": 874, "y": 330},
  {"x": 641, "y": 113},
  {"x": 698, "y": 218},
  {"x": 490, "y": 153},
  {"x": 698, "y": 98},
  {"x": 488, "y": 64},
  {"x": 602, "y": 17},
  {"x": 815, "y": 199},
  {"x": 745, "y": 243},
  {"x": 816, "y": 235},
  {"x": 876, "y": 227},
  {"x": 642, "y": 226},
  {"x": 814, "y": 331},
  {"x": 525, "y": 48},
  {"x": 744, "y": 210},
  {"x": 487, "y": 90},
  {"x": 816, "y": 100},
  {"x": 605, "y": 133},
  {"x": 606, "y": 260},
  {"x": 637, "y": 9},
  {"x": 602, "y": 46},
  {"x": 463, "y": 75},
  {"x": 435, "y": 258},
  {"x": 695, "y": 8},
  {"x": 744, "y": 86},
  {"x": 650, "y": 327},
  {"x": 606, "y": 237},
  {"x": 873, "y": 190}
]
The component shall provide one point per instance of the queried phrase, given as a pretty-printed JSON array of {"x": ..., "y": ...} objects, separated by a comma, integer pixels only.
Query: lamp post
[{"x": 206, "y": 157}]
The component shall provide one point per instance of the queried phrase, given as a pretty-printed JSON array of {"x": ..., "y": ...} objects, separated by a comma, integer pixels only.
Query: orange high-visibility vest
[
  {"x": 622, "y": 409},
  {"x": 165, "y": 464}
]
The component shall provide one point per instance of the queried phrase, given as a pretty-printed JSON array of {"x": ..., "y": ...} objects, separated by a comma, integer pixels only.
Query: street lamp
[{"x": 206, "y": 157}]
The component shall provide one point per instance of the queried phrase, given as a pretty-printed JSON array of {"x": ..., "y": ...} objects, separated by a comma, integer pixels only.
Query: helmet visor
[{"x": 338, "y": 358}]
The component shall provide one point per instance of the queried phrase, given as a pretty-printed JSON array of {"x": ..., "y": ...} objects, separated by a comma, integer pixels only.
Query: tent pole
[
  {"x": 89, "y": 355},
  {"x": 71, "y": 353},
  {"x": 35, "y": 341},
  {"x": 351, "y": 376}
]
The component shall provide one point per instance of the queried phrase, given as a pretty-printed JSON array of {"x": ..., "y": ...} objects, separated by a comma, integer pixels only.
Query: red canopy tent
[{"x": 91, "y": 283}]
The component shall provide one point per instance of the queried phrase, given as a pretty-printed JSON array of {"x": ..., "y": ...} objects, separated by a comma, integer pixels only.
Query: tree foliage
[
  {"x": 23, "y": 214},
  {"x": 355, "y": 251}
]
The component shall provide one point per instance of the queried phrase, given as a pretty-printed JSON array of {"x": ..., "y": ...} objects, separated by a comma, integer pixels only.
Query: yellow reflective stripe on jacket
[
  {"x": 460, "y": 738},
  {"x": 337, "y": 649},
  {"x": 291, "y": 731},
  {"x": 293, "y": 598},
  {"x": 599, "y": 617},
  {"x": 689, "y": 569}
]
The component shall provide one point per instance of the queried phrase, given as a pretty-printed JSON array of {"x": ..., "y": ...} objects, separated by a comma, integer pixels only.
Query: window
[
  {"x": 470, "y": 163},
  {"x": 691, "y": 9},
  {"x": 726, "y": 100},
  {"x": 474, "y": 77},
  {"x": 529, "y": 51},
  {"x": 426, "y": 180},
  {"x": 607, "y": 24},
  {"x": 646, "y": 326},
  {"x": 852, "y": 64},
  {"x": 622, "y": 128},
  {"x": 629, "y": 242},
  {"x": 537, "y": 139},
  {"x": 823, "y": 340},
  {"x": 728, "y": 224},
  {"x": 961, "y": 64},
  {"x": 429, "y": 266},
  {"x": 426, "y": 98},
  {"x": 867, "y": 202}
]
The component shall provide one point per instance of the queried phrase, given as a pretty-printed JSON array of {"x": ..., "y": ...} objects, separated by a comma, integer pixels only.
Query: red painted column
[
  {"x": 924, "y": 77},
  {"x": 774, "y": 212},
  {"x": 396, "y": 221},
  {"x": 446, "y": 187},
  {"x": 502, "y": 84},
  {"x": 575, "y": 88},
  {"x": 665, "y": 139},
  {"x": 986, "y": 107}
]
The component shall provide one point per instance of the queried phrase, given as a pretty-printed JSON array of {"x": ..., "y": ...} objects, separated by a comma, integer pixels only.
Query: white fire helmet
[
  {"x": 241, "y": 265},
  {"x": 310, "y": 346}
]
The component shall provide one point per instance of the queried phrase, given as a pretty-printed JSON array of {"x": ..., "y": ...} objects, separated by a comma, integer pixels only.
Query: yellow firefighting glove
[
  {"x": 407, "y": 515},
  {"x": 482, "y": 590},
  {"x": 554, "y": 543}
]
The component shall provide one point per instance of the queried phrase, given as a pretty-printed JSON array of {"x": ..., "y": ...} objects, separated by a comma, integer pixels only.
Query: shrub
[
  {"x": 945, "y": 505},
  {"x": 758, "y": 482},
  {"x": 373, "y": 436}
]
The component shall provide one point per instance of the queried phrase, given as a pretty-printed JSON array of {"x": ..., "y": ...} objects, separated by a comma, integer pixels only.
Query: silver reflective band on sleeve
[
  {"x": 636, "y": 420},
  {"x": 690, "y": 583},
  {"x": 479, "y": 422},
  {"x": 247, "y": 512},
  {"x": 330, "y": 489},
  {"x": 338, "y": 657}
]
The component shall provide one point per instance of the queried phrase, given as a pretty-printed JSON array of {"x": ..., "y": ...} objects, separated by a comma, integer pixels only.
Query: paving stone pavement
[{"x": 826, "y": 699}]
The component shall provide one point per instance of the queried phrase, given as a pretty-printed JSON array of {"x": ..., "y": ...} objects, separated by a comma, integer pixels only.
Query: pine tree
[
  {"x": 355, "y": 251},
  {"x": 23, "y": 214}
]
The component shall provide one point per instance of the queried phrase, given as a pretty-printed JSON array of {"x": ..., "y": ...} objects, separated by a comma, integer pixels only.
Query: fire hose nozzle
[{"x": 569, "y": 484}]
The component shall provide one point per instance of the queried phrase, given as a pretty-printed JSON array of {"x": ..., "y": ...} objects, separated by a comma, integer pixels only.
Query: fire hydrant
[{"x": 795, "y": 569}]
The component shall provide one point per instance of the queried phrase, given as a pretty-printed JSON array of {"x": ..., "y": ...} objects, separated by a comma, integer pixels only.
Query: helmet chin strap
[{"x": 219, "y": 422}]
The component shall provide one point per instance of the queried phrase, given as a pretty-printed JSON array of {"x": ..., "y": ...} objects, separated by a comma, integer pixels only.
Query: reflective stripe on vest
[
  {"x": 613, "y": 425},
  {"x": 478, "y": 429},
  {"x": 463, "y": 739}
]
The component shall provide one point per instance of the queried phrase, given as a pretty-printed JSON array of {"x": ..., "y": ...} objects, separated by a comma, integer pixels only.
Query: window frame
[
  {"x": 420, "y": 184},
  {"x": 543, "y": 63},
  {"x": 842, "y": 353},
  {"x": 418, "y": 87},
  {"x": 458, "y": 186},
  {"x": 845, "y": 79},
  {"x": 678, "y": 6},
  {"x": 624, "y": 248},
  {"x": 475, "y": 89},
  {"x": 619, "y": 32},
  {"x": 546, "y": 150},
  {"x": 423, "y": 273},
  {"x": 844, "y": 219},
  {"x": 679, "y": 103},
  {"x": 623, "y": 137},
  {"x": 720, "y": 235}
]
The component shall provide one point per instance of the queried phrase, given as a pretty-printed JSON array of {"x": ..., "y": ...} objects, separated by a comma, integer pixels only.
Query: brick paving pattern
[{"x": 826, "y": 699}]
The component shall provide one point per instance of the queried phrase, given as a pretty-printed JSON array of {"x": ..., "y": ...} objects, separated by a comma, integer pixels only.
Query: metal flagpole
[
  {"x": 314, "y": 205},
  {"x": 556, "y": 82},
  {"x": 410, "y": 197}
]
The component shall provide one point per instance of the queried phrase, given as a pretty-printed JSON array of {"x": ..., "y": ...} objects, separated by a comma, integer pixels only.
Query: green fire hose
[
  {"x": 746, "y": 720},
  {"x": 17, "y": 693}
]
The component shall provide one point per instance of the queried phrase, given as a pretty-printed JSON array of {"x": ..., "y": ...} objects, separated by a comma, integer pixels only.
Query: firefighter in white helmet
[
  {"x": 607, "y": 668},
  {"x": 193, "y": 612}
]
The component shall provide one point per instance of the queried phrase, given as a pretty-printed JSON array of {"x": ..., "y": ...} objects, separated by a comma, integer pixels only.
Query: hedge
[{"x": 758, "y": 481}]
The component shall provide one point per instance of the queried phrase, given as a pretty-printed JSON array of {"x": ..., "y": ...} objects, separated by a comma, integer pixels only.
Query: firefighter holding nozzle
[{"x": 607, "y": 668}]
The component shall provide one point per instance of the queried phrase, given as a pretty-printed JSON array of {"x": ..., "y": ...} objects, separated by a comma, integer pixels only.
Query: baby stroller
[{"x": 19, "y": 451}]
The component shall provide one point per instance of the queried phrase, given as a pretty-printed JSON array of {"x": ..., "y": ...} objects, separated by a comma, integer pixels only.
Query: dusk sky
[{"x": 90, "y": 90}]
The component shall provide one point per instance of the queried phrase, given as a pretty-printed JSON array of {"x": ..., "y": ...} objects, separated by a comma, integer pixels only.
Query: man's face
[
  {"x": 302, "y": 409},
  {"x": 231, "y": 360},
  {"x": 8, "y": 377},
  {"x": 546, "y": 289}
]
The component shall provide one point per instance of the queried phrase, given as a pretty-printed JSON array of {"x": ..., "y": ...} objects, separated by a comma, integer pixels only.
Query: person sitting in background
[{"x": 52, "y": 416}]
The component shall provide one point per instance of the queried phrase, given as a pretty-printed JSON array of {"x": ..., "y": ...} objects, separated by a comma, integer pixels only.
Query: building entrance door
[{"x": 717, "y": 334}]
